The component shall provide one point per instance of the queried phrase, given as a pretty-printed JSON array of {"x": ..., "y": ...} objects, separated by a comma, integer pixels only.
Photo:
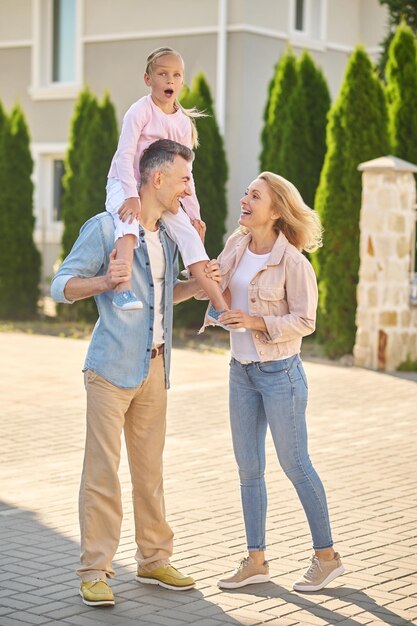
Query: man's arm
[
  {"x": 118, "y": 271},
  {"x": 81, "y": 274},
  {"x": 185, "y": 289}
]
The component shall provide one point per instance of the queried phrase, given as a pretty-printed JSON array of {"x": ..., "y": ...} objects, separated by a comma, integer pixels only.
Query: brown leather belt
[{"x": 156, "y": 351}]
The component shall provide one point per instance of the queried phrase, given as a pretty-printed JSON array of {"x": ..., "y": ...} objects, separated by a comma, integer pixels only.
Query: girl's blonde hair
[
  {"x": 300, "y": 224},
  {"x": 191, "y": 113}
]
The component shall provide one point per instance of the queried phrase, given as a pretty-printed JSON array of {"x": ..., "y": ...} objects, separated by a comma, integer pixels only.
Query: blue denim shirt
[{"x": 121, "y": 344}]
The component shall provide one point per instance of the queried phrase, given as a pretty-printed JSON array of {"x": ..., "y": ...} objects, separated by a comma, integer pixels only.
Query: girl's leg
[
  {"x": 124, "y": 249},
  {"x": 126, "y": 239},
  {"x": 125, "y": 299},
  {"x": 208, "y": 285},
  {"x": 284, "y": 394}
]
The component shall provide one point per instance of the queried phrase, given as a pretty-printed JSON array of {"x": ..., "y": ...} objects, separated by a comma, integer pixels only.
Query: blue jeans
[{"x": 274, "y": 394}]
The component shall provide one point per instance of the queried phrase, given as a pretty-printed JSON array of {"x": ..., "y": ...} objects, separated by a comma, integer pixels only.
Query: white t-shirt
[
  {"x": 157, "y": 261},
  {"x": 242, "y": 344}
]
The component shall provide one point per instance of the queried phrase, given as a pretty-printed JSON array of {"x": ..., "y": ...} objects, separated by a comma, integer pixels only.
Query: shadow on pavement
[
  {"x": 346, "y": 594},
  {"x": 38, "y": 583}
]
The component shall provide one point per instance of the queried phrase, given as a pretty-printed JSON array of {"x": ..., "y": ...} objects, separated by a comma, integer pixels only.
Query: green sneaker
[
  {"x": 96, "y": 593},
  {"x": 166, "y": 576}
]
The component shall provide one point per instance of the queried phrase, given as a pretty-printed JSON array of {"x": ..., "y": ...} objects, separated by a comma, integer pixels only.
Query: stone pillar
[{"x": 386, "y": 322}]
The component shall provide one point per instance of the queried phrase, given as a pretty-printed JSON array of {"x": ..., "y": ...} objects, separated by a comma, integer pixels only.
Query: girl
[
  {"x": 274, "y": 296},
  {"x": 157, "y": 116}
]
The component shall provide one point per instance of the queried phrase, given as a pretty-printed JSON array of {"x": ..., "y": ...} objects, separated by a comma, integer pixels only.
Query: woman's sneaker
[
  {"x": 319, "y": 574},
  {"x": 127, "y": 301},
  {"x": 213, "y": 316},
  {"x": 246, "y": 573}
]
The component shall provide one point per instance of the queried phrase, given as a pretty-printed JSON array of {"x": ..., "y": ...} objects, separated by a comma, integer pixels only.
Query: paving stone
[{"x": 367, "y": 465}]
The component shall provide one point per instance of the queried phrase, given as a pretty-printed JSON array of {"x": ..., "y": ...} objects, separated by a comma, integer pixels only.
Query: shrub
[
  {"x": 357, "y": 132},
  {"x": 210, "y": 173},
  {"x": 20, "y": 261}
]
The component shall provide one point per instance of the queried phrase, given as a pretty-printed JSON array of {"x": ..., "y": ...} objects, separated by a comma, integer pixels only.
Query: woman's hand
[
  {"x": 130, "y": 210},
  {"x": 200, "y": 227},
  {"x": 239, "y": 319},
  {"x": 236, "y": 318},
  {"x": 212, "y": 270}
]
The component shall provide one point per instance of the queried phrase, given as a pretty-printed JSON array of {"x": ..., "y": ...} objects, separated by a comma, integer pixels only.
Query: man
[{"x": 126, "y": 377}]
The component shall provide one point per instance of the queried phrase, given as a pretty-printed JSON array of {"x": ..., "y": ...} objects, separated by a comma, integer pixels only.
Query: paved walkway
[{"x": 363, "y": 435}]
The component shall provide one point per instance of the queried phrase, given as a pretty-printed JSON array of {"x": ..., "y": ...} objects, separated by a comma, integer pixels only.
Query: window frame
[
  {"x": 43, "y": 87},
  {"x": 306, "y": 36},
  {"x": 47, "y": 229}
]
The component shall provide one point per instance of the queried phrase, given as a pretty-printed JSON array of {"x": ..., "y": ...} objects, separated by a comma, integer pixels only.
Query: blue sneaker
[
  {"x": 213, "y": 316},
  {"x": 127, "y": 301}
]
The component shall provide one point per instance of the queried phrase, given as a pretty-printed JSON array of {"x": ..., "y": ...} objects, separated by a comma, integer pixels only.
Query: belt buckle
[{"x": 156, "y": 351}]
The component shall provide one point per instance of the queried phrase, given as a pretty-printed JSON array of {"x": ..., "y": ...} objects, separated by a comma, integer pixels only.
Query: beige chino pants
[{"x": 141, "y": 412}]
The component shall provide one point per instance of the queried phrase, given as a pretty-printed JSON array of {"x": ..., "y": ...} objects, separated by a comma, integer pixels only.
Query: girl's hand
[
  {"x": 236, "y": 318},
  {"x": 200, "y": 227},
  {"x": 212, "y": 270},
  {"x": 130, "y": 210}
]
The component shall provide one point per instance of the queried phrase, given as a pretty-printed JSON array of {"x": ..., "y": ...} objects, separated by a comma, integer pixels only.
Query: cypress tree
[
  {"x": 94, "y": 141},
  {"x": 72, "y": 208},
  {"x": 401, "y": 94},
  {"x": 398, "y": 11},
  {"x": 357, "y": 132},
  {"x": 210, "y": 173},
  {"x": 2, "y": 117},
  {"x": 304, "y": 136},
  {"x": 265, "y": 128},
  {"x": 20, "y": 261},
  {"x": 272, "y": 157}
]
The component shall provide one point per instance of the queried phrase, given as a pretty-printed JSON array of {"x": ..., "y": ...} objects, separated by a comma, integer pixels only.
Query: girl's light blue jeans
[{"x": 274, "y": 394}]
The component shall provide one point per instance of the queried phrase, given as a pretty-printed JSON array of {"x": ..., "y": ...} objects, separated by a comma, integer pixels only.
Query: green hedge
[
  {"x": 93, "y": 141},
  {"x": 357, "y": 132},
  {"x": 210, "y": 173},
  {"x": 20, "y": 261}
]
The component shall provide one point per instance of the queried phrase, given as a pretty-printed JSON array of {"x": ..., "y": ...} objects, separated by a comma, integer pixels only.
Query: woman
[{"x": 273, "y": 293}]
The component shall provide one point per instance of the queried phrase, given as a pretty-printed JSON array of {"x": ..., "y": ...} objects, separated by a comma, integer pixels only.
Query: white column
[{"x": 221, "y": 66}]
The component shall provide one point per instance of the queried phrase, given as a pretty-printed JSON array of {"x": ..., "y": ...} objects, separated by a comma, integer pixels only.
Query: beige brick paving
[{"x": 363, "y": 439}]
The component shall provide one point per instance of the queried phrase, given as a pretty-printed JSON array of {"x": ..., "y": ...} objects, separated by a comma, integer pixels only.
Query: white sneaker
[{"x": 213, "y": 316}]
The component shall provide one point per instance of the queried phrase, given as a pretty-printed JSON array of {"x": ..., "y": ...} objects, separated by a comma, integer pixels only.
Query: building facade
[{"x": 50, "y": 48}]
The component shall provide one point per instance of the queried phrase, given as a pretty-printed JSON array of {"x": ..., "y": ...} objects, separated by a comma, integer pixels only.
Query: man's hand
[
  {"x": 212, "y": 270},
  {"x": 200, "y": 227},
  {"x": 118, "y": 271},
  {"x": 130, "y": 210}
]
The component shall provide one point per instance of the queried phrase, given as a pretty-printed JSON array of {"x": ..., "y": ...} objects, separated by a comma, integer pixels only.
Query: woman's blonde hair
[
  {"x": 300, "y": 224},
  {"x": 191, "y": 113}
]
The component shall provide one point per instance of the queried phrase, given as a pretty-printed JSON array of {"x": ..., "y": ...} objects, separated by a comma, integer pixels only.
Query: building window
[
  {"x": 57, "y": 189},
  {"x": 307, "y": 18},
  {"x": 63, "y": 41},
  {"x": 299, "y": 15},
  {"x": 57, "y": 49}
]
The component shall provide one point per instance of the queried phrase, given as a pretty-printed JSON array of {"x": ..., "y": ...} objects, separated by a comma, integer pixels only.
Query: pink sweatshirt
[{"x": 143, "y": 124}]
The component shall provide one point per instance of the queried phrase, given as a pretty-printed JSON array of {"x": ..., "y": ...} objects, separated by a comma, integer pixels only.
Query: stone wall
[{"x": 386, "y": 321}]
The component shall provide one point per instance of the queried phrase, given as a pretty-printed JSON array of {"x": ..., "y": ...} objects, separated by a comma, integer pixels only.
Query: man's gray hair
[{"x": 160, "y": 154}]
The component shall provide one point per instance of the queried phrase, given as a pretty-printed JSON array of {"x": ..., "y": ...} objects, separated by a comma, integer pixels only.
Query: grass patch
[{"x": 407, "y": 366}]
